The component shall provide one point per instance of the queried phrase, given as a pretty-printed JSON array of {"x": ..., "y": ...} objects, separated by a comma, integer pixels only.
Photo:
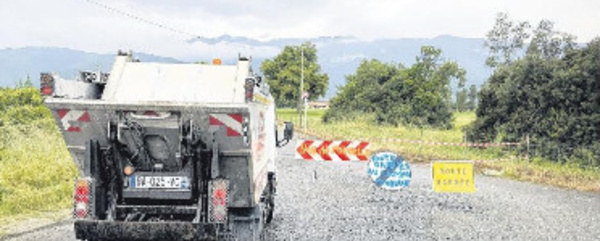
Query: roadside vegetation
[
  {"x": 544, "y": 93},
  {"x": 548, "y": 95},
  {"x": 36, "y": 171},
  {"x": 419, "y": 95},
  {"x": 509, "y": 161}
]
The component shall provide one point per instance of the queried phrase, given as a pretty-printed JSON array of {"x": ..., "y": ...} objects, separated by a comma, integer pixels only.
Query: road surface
[{"x": 338, "y": 201}]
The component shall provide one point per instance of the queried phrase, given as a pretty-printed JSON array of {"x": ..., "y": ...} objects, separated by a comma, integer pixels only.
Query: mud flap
[
  {"x": 178, "y": 231},
  {"x": 248, "y": 224},
  {"x": 95, "y": 169}
]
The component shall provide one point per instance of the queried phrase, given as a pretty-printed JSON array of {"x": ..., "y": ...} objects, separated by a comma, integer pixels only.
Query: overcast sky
[{"x": 83, "y": 25}]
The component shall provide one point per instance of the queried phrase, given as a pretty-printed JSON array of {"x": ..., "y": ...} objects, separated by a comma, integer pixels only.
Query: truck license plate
[{"x": 157, "y": 182}]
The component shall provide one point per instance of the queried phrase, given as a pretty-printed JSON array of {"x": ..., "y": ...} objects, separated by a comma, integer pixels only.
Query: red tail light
[
  {"x": 46, "y": 84},
  {"x": 82, "y": 207},
  {"x": 219, "y": 190}
]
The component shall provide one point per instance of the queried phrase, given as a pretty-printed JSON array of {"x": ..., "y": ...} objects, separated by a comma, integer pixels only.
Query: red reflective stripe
[
  {"x": 302, "y": 150},
  {"x": 74, "y": 129},
  {"x": 151, "y": 113},
  {"x": 215, "y": 121},
  {"x": 341, "y": 152},
  {"x": 360, "y": 150},
  {"x": 237, "y": 117},
  {"x": 323, "y": 150},
  {"x": 231, "y": 132},
  {"x": 85, "y": 117},
  {"x": 62, "y": 113}
]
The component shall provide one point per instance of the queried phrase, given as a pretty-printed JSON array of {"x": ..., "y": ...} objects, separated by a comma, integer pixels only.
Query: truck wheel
[
  {"x": 270, "y": 209},
  {"x": 270, "y": 200}
]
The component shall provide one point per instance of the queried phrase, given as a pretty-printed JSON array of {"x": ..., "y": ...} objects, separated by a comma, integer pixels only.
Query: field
[{"x": 508, "y": 161}]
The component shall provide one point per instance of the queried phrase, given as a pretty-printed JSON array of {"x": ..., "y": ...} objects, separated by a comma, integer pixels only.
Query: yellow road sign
[{"x": 453, "y": 176}]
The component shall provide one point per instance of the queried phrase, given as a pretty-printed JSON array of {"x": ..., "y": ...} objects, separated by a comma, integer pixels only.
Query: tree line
[
  {"x": 419, "y": 95},
  {"x": 544, "y": 89}
]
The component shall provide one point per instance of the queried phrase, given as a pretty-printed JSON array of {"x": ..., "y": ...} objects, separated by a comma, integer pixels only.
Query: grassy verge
[
  {"x": 503, "y": 160},
  {"x": 36, "y": 171}
]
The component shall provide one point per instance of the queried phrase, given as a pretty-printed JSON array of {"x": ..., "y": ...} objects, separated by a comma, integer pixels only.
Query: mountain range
[{"x": 338, "y": 56}]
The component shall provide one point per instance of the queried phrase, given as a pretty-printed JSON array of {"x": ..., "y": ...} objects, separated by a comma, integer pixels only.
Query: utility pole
[{"x": 301, "y": 93}]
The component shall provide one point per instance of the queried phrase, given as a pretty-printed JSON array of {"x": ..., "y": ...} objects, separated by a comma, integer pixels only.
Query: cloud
[
  {"x": 347, "y": 58},
  {"x": 82, "y": 25}
]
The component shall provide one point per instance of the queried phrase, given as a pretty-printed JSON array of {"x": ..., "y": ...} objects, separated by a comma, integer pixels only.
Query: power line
[{"x": 143, "y": 20}]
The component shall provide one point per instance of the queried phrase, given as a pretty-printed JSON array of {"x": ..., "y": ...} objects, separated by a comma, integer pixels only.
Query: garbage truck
[{"x": 169, "y": 151}]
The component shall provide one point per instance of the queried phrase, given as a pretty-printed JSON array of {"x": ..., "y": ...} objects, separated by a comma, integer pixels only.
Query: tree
[
  {"x": 471, "y": 98},
  {"x": 461, "y": 100},
  {"x": 505, "y": 40},
  {"x": 430, "y": 78},
  {"x": 283, "y": 74},
  {"x": 419, "y": 95},
  {"x": 550, "y": 94},
  {"x": 362, "y": 91},
  {"x": 548, "y": 43}
]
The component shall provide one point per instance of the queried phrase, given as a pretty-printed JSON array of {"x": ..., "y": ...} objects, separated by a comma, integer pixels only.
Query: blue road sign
[{"x": 389, "y": 171}]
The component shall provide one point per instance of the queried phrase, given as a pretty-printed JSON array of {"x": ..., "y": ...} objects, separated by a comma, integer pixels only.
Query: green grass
[
  {"x": 503, "y": 159},
  {"x": 36, "y": 171}
]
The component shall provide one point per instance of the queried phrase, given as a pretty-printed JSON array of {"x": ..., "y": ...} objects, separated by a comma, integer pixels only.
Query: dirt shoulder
[{"x": 17, "y": 225}]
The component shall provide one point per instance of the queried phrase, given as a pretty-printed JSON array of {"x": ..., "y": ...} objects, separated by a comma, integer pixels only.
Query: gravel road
[{"x": 338, "y": 201}]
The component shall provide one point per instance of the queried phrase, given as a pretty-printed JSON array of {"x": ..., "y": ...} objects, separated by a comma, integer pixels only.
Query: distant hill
[{"x": 338, "y": 56}]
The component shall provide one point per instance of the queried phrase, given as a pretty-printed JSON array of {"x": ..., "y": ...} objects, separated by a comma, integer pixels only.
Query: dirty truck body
[{"x": 168, "y": 151}]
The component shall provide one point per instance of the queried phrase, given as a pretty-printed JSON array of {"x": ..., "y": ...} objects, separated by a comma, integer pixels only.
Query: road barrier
[{"x": 332, "y": 150}]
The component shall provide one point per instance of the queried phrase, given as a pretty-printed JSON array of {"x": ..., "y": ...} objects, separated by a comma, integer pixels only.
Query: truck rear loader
[{"x": 169, "y": 151}]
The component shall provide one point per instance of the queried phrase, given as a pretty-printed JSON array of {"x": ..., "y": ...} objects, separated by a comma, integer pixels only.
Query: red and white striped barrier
[{"x": 332, "y": 150}]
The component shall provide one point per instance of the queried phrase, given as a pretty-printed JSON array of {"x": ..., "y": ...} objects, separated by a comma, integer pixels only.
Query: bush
[
  {"x": 415, "y": 96},
  {"x": 552, "y": 100}
]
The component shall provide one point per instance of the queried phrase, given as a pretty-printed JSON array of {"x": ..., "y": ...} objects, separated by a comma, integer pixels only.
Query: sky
[{"x": 104, "y": 26}]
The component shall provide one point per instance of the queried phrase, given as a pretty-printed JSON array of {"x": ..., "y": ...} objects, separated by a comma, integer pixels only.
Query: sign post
[{"x": 305, "y": 123}]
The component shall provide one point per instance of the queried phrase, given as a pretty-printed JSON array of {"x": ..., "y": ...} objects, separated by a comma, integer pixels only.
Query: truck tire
[
  {"x": 270, "y": 199},
  {"x": 270, "y": 206}
]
